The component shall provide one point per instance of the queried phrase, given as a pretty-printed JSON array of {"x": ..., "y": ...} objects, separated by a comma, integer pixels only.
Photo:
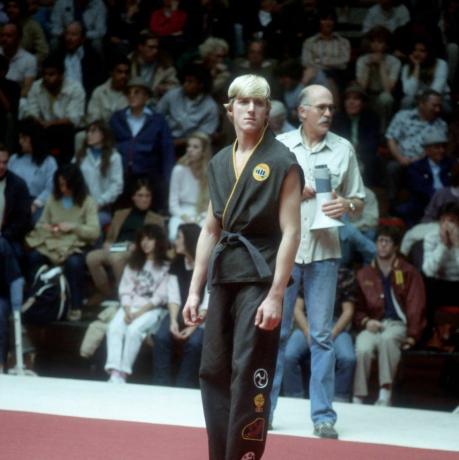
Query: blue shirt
[
  {"x": 407, "y": 128},
  {"x": 436, "y": 170},
  {"x": 389, "y": 308},
  {"x": 39, "y": 178},
  {"x": 136, "y": 123}
]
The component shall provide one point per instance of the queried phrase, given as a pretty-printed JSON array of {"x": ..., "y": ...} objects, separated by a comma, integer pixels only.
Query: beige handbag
[{"x": 96, "y": 332}]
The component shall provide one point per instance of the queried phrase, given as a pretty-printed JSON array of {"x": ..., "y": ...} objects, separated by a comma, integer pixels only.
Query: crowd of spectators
[{"x": 111, "y": 109}]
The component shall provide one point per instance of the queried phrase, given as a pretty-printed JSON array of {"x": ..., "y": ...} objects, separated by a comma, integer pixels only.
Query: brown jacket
[
  {"x": 58, "y": 247},
  {"x": 120, "y": 216},
  {"x": 408, "y": 290}
]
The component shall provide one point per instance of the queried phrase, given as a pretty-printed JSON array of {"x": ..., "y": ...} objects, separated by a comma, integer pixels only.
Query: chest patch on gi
[{"x": 261, "y": 172}]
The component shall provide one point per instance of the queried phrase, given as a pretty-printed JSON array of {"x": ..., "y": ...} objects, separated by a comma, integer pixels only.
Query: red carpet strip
[{"x": 25, "y": 436}]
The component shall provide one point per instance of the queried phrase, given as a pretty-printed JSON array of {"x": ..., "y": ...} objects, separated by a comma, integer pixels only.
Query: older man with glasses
[{"x": 317, "y": 259}]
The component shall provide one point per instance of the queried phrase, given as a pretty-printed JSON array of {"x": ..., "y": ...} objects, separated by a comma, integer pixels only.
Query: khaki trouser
[
  {"x": 98, "y": 261},
  {"x": 386, "y": 344}
]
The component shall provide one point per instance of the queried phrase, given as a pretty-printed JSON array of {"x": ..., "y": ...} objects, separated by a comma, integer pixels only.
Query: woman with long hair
[
  {"x": 423, "y": 71},
  {"x": 188, "y": 189},
  {"x": 102, "y": 168},
  {"x": 34, "y": 164},
  {"x": 143, "y": 293},
  {"x": 65, "y": 231},
  {"x": 119, "y": 241},
  {"x": 172, "y": 332}
]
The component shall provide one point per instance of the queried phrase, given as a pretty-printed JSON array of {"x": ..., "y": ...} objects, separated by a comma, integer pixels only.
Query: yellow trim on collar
[{"x": 242, "y": 170}]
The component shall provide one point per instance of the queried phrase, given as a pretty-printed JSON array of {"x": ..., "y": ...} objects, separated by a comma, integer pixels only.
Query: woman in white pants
[{"x": 143, "y": 297}]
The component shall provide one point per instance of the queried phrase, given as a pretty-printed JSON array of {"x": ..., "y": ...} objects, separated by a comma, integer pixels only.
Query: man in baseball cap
[{"x": 427, "y": 175}]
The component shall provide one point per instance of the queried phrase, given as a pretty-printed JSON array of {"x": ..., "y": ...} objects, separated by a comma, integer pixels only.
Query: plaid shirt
[{"x": 326, "y": 54}]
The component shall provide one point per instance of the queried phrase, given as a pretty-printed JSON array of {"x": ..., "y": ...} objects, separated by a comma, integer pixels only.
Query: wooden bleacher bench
[{"x": 57, "y": 353}]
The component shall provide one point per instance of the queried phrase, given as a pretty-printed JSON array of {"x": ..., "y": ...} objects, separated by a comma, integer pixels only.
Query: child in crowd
[{"x": 143, "y": 293}]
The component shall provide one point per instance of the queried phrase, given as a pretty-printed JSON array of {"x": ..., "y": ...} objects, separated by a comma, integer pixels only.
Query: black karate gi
[{"x": 239, "y": 359}]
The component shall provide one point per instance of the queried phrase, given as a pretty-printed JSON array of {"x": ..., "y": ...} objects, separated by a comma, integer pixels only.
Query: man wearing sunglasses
[{"x": 317, "y": 259}]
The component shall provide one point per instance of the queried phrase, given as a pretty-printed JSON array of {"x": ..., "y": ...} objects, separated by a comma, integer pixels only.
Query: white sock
[
  {"x": 385, "y": 394},
  {"x": 357, "y": 400}
]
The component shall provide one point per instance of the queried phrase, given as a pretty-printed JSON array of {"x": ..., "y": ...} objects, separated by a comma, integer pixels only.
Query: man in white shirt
[
  {"x": 317, "y": 259},
  {"x": 441, "y": 258},
  {"x": 82, "y": 63},
  {"x": 58, "y": 105},
  {"x": 22, "y": 64},
  {"x": 111, "y": 95}
]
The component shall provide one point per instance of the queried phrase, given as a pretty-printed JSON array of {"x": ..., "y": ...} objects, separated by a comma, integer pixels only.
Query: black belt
[{"x": 229, "y": 238}]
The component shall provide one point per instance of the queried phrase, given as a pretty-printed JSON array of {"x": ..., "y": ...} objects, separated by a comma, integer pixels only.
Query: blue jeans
[
  {"x": 354, "y": 241},
  {"x": 5, "y": 309},
  {"x": 319, "y": 283},
  {"x": 297, "y": 353},
  {"x": 163, "y": 354}
]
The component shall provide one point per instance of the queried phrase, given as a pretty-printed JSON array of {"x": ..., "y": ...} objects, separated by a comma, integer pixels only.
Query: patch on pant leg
[
  {"x": 259, "y": 401},
  {"x": 260, "y": 378},
  {"x": 249, "y": 456},
  {"x": 254, "y": 431}
]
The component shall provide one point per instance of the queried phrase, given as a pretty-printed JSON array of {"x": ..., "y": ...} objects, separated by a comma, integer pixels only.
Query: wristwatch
[{"x": 351, "y": 206}]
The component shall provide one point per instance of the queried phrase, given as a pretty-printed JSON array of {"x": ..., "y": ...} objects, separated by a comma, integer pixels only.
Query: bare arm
[
  {"x": 173, "y": 312},
  {"x": 208, "y": 238},
  {"x": 300, "y": 316},
  {"x": 339, "y": 205},
  {"x": 26, "y": 85},
  {"x": 344, "y": 319},
  {"x": 395, "y": 151},
  {"x": 269, "y": 313}
]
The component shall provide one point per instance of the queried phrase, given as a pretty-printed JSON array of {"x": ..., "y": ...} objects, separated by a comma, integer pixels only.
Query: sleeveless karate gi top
[{"x": 248, "y": 210}]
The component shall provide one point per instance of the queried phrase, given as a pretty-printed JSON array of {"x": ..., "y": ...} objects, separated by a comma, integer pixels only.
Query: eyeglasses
[
  {"x": 384, "y": 240},
  {"x": 322, "y": 108}
]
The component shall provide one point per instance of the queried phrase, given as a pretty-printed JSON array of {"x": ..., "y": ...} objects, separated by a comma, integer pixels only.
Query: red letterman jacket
[{"x": 408, "y": 295}]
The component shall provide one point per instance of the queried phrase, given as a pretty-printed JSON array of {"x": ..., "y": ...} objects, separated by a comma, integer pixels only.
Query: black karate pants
[{"x": 237, "y": 369}]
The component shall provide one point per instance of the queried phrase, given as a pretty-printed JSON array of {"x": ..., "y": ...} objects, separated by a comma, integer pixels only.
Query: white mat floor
[{"x": 151, "y": 404}]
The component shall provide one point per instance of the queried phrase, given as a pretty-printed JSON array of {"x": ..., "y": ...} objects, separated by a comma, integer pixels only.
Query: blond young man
[{"x": 247, "y": 246}]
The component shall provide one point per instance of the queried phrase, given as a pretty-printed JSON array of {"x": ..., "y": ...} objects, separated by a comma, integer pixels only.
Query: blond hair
[
  {"x": 249, "y": 86},
  {"x": 201, "y": 170},
  {"x": 212, "y": 45}
]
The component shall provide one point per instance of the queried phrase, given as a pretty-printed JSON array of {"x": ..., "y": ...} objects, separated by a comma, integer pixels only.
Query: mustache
[{"x": 325, "y": 120}]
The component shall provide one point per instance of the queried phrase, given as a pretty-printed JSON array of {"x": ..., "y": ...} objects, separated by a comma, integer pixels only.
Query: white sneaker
[
  {"x": 110, "y": 303},
  {"x": 116, "y": 378},
  {"x": 383, "y": 402},
  {"x": 357, "y": 400}
]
